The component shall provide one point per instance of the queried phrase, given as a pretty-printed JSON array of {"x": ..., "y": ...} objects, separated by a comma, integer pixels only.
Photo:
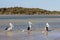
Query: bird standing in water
[
  {"x": 29, "y": 26},
  {"x": 9, "y": 28},
  {"x": 47, "y": 26}
]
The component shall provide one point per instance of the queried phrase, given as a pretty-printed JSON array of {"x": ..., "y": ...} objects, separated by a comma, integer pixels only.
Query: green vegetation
[{"x": 26, "y": 11}]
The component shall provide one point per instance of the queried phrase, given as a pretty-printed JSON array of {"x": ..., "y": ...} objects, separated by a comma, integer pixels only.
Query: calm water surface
[{"x": 21, "y": 22}]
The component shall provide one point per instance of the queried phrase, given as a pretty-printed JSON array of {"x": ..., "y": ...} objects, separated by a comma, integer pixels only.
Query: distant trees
[{"x": 26, "y": 11}]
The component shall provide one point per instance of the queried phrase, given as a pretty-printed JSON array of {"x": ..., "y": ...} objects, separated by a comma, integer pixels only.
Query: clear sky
[{"x": 44, "y": 4}]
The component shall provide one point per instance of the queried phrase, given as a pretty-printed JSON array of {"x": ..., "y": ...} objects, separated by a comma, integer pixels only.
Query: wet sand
[{"x": 30, "y": 35}]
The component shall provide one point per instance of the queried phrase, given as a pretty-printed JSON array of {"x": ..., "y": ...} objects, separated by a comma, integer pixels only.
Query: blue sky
[{"x": 43, "y": 4}]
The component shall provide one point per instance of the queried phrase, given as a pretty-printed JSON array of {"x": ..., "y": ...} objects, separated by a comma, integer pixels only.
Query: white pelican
[
  {"x": 47, "y": 26},
  {"x": 9, "y": 28},
  {"x": 29, "y": 26}
]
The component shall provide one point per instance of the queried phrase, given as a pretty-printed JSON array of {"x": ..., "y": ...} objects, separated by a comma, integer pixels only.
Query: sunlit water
[{"x": 38, "y": 23}]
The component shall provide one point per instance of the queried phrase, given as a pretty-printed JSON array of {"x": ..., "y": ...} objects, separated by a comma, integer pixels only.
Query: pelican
[
  {"x": 9, "y": 28},
  {"x": 47, "y": 26},
  {"x": 29, "y": 26}
]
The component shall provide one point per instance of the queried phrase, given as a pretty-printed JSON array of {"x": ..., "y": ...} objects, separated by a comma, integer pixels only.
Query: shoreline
[{"x": 28, "y": 15}]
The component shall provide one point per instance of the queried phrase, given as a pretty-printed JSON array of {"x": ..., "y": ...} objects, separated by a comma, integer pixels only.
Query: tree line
[{"x": 26, "y": 11}]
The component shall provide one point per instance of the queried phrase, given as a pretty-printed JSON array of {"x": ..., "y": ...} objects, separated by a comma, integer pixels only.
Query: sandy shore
[
  {"x": 30, "y": 35},
  {"x": 29, "y": 15}
]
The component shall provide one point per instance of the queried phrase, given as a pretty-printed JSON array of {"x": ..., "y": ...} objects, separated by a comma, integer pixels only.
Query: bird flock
[{"x": 28, "y": 28}]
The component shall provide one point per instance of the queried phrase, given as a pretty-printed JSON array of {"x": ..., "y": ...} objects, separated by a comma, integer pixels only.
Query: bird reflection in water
[
  {"x": 29, "y": 32},
  {"x": 46, "y": 35},
  {"x": 29, "y": 36},
  {"x": 9, "y": 33}
]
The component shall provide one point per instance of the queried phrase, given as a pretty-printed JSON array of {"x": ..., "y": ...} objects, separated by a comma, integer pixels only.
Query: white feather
[
  {"x": 30, "y": 24},
  {"x": 47, "y": 25},
  {"x": 11, "y": 26}
]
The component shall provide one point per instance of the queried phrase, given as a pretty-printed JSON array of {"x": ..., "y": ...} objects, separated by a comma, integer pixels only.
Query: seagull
[
  {"x": 9, "y": 28},
  {"x": 29, "y": 26},
  {"x": 47, "y": 26}
]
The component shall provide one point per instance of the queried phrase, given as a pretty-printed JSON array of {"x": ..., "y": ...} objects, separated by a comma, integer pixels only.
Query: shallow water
[
  {"x": 21, "y": 22},
  {"x": 32, "y": 35}
]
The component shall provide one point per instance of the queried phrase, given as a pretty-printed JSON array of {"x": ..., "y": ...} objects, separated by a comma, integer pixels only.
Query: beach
[
  {"x": 30, "y": 35},
  {"x": 38, "y": 24}
]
